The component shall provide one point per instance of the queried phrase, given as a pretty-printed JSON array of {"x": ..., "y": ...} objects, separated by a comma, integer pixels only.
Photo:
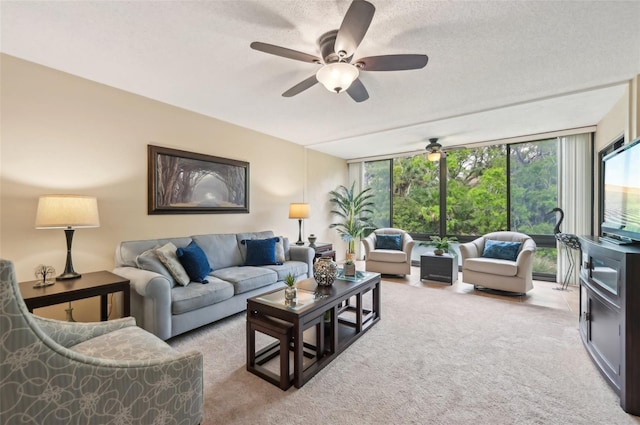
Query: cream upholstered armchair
[
  {"x": 499, "y": 260},
  {"x": 54, "y": 372},
  {"x": 388, "y": 251}
]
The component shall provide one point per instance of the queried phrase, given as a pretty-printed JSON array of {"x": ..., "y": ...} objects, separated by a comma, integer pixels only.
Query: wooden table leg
[
  {"x": 298, "y": 355},
  {"x": 104, "y": 313}
]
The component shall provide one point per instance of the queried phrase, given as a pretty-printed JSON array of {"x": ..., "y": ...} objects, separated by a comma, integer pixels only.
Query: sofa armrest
[
  {"x": 369, "y": 243},
  {"x": 155, "y": 291},
  {"x": 524, "y": 261},
  {"x": 407, "y": 245},
  {"x": 304, "y": 254},
  {"x": 468, "y": 250},
  {"x": 68, "y": 334}
]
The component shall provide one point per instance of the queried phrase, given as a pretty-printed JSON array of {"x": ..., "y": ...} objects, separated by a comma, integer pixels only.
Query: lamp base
[
  {"x": 69, "y": 275},
  {"x": 300, "y": 243}
]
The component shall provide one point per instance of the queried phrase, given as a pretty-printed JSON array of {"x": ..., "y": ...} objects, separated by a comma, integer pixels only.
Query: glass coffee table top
[{"x": 304, "y": 299}]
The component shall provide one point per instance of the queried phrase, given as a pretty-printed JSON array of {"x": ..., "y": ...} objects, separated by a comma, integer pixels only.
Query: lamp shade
[
  {"x": 67, "y": 211},
  {"x": 299, "y": 210},
  {"x": 337, "y": 76}
]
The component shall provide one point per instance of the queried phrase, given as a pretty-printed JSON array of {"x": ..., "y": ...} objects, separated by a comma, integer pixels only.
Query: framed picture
[{"x": 191, "y": 183}]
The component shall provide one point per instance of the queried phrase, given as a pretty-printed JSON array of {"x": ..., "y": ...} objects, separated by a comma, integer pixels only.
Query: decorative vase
[
  {"x": 325, "y": 271},
  {"x": 312, "y": 240},
  {"x": 290, "y": 293},
  {"x": 438, "y": 251}
]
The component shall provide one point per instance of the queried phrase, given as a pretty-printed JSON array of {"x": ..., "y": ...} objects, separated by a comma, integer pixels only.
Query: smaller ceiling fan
[
  {"x": 339, "y": 73},
  {"x": 434, "y": 150}
]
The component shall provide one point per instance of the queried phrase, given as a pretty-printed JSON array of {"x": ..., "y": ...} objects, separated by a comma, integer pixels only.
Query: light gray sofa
[{"x": 166, "y": 309}]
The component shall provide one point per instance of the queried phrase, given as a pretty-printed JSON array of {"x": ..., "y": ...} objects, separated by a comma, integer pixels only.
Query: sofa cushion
[
  {"x": 387, "y": 256},
  {"x": 246, "y": 278},
  {"x": 389, "y": 242},
  {"x": 197, "y": 295},
  {"x": 491, "y": 266},
  {"x": 167, "y": 254},
  {"x": 221, "y": 250},
  {"x": 149, "y": 260},
  {"x": 195, "y": 262},
  {"x": 260, "y": 252},
  {"x": 296, "y": 268},
  {"x": 502, "y": 250},
  {"x": 130, "y": 343}
]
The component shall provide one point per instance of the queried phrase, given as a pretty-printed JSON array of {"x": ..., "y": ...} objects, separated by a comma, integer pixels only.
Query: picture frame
[{"x": 181, "y": 182}]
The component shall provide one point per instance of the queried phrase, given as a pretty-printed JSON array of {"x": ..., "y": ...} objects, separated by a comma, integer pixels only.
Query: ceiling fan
[
  {"x": 339, "y": 72},
  {"x": 434, "y": 150}
]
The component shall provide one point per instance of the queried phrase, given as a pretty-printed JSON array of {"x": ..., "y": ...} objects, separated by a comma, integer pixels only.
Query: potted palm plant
[
  {"x": 355, "y": 212},
  {"x": 441, "y": 244}
]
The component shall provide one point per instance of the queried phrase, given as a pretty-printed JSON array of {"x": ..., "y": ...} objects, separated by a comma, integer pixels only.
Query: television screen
[{"x": 621, "y": 193}]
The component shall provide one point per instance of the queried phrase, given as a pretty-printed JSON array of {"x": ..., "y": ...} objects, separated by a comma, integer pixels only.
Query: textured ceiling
[{"x": 496, "y": 69}]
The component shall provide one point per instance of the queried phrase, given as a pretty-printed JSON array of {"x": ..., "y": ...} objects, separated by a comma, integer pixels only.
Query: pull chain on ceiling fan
[{"x": 337, "y": 47}]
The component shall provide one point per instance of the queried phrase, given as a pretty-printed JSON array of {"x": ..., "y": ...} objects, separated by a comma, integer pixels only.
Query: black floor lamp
[{"x": 299, "y": 211}]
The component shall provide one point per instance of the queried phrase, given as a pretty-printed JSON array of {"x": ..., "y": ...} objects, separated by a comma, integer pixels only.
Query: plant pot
[
  {"x": 438, "y": 251},
  {"x": 349, "y": 269},
  {"x": 290, "y": 293}
]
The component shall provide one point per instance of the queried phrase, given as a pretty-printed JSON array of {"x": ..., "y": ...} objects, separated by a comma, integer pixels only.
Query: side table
[
  {"x": 89, "y": 285},
  {"x": 439, "y": 268},
  {"x": 323, "y": 250}
]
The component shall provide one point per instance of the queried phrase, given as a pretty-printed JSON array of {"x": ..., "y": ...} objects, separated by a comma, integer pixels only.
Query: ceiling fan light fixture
[
  {"x": 434, "y": 150},
  {"x": 337, "y": 76},
  {"x": 434, "y": 156}
]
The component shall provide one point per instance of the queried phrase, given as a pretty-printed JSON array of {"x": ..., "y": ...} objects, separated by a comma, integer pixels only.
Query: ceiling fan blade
[
  {"x": 392, "y": 62},
  {"x": 357, "y": 91},
  {"x": 284, "y": 52},
  {"x": 301, "y": 86},
  {"x": 354, "y": 26}
]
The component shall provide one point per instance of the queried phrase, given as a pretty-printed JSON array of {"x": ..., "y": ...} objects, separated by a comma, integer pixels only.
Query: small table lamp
[
  {"x": 299, "y": 211},
  {"x": 67, "y": 212}
]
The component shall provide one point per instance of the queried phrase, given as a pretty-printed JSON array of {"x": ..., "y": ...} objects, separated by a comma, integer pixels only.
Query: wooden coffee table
[{"x": 348, "y": 321}]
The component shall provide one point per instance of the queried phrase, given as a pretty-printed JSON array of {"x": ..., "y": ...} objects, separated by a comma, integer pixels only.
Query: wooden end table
[
  {"x": 439, "y": 268},
  {"x": 323, "y": 250},
  {"x": 89, "y": 285}
]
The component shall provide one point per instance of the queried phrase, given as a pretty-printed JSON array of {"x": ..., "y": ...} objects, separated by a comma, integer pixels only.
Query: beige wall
[
  {"x": 622, "y": 120},
  {"x": 64, "y": 134}
]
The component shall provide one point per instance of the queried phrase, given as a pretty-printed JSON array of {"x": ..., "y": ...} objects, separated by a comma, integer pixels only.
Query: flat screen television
[{"x": 621, "y": 194}]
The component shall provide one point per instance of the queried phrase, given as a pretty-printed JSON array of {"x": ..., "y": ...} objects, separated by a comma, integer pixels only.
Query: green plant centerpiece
[
  {"x": 290, "y": 292},
  {"x": 441, "y": 244},
  {"x": 355, "y": 213}
]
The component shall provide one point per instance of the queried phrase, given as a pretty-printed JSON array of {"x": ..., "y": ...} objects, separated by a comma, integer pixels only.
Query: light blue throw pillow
[{"x": 501, "y": 250}]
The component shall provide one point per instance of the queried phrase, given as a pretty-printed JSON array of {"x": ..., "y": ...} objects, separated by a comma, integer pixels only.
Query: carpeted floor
[{"x": 436, "y": 357}]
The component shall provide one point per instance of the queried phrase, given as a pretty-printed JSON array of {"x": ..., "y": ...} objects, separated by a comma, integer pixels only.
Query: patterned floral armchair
[{"x": 54, "y": 372}]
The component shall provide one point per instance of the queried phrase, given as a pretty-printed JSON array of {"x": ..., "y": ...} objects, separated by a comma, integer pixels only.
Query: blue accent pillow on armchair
[
  {"x": 261, "y": 252},
  {"x": 501, "y": 250},
  {"x": 389, "y": 242},
  {"x": 195, "y": 262}
]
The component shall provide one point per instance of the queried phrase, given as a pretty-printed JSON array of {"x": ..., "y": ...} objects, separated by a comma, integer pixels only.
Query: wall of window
[{"x": 473, "y": 191}]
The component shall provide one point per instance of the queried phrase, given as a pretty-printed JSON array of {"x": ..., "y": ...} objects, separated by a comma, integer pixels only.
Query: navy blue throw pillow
[
  {"x": 261, "y": 252},
  {"x": 389, "y": 242},
  {"x": 195, "y": 262},
  {"x": 501, "y": 250}
]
